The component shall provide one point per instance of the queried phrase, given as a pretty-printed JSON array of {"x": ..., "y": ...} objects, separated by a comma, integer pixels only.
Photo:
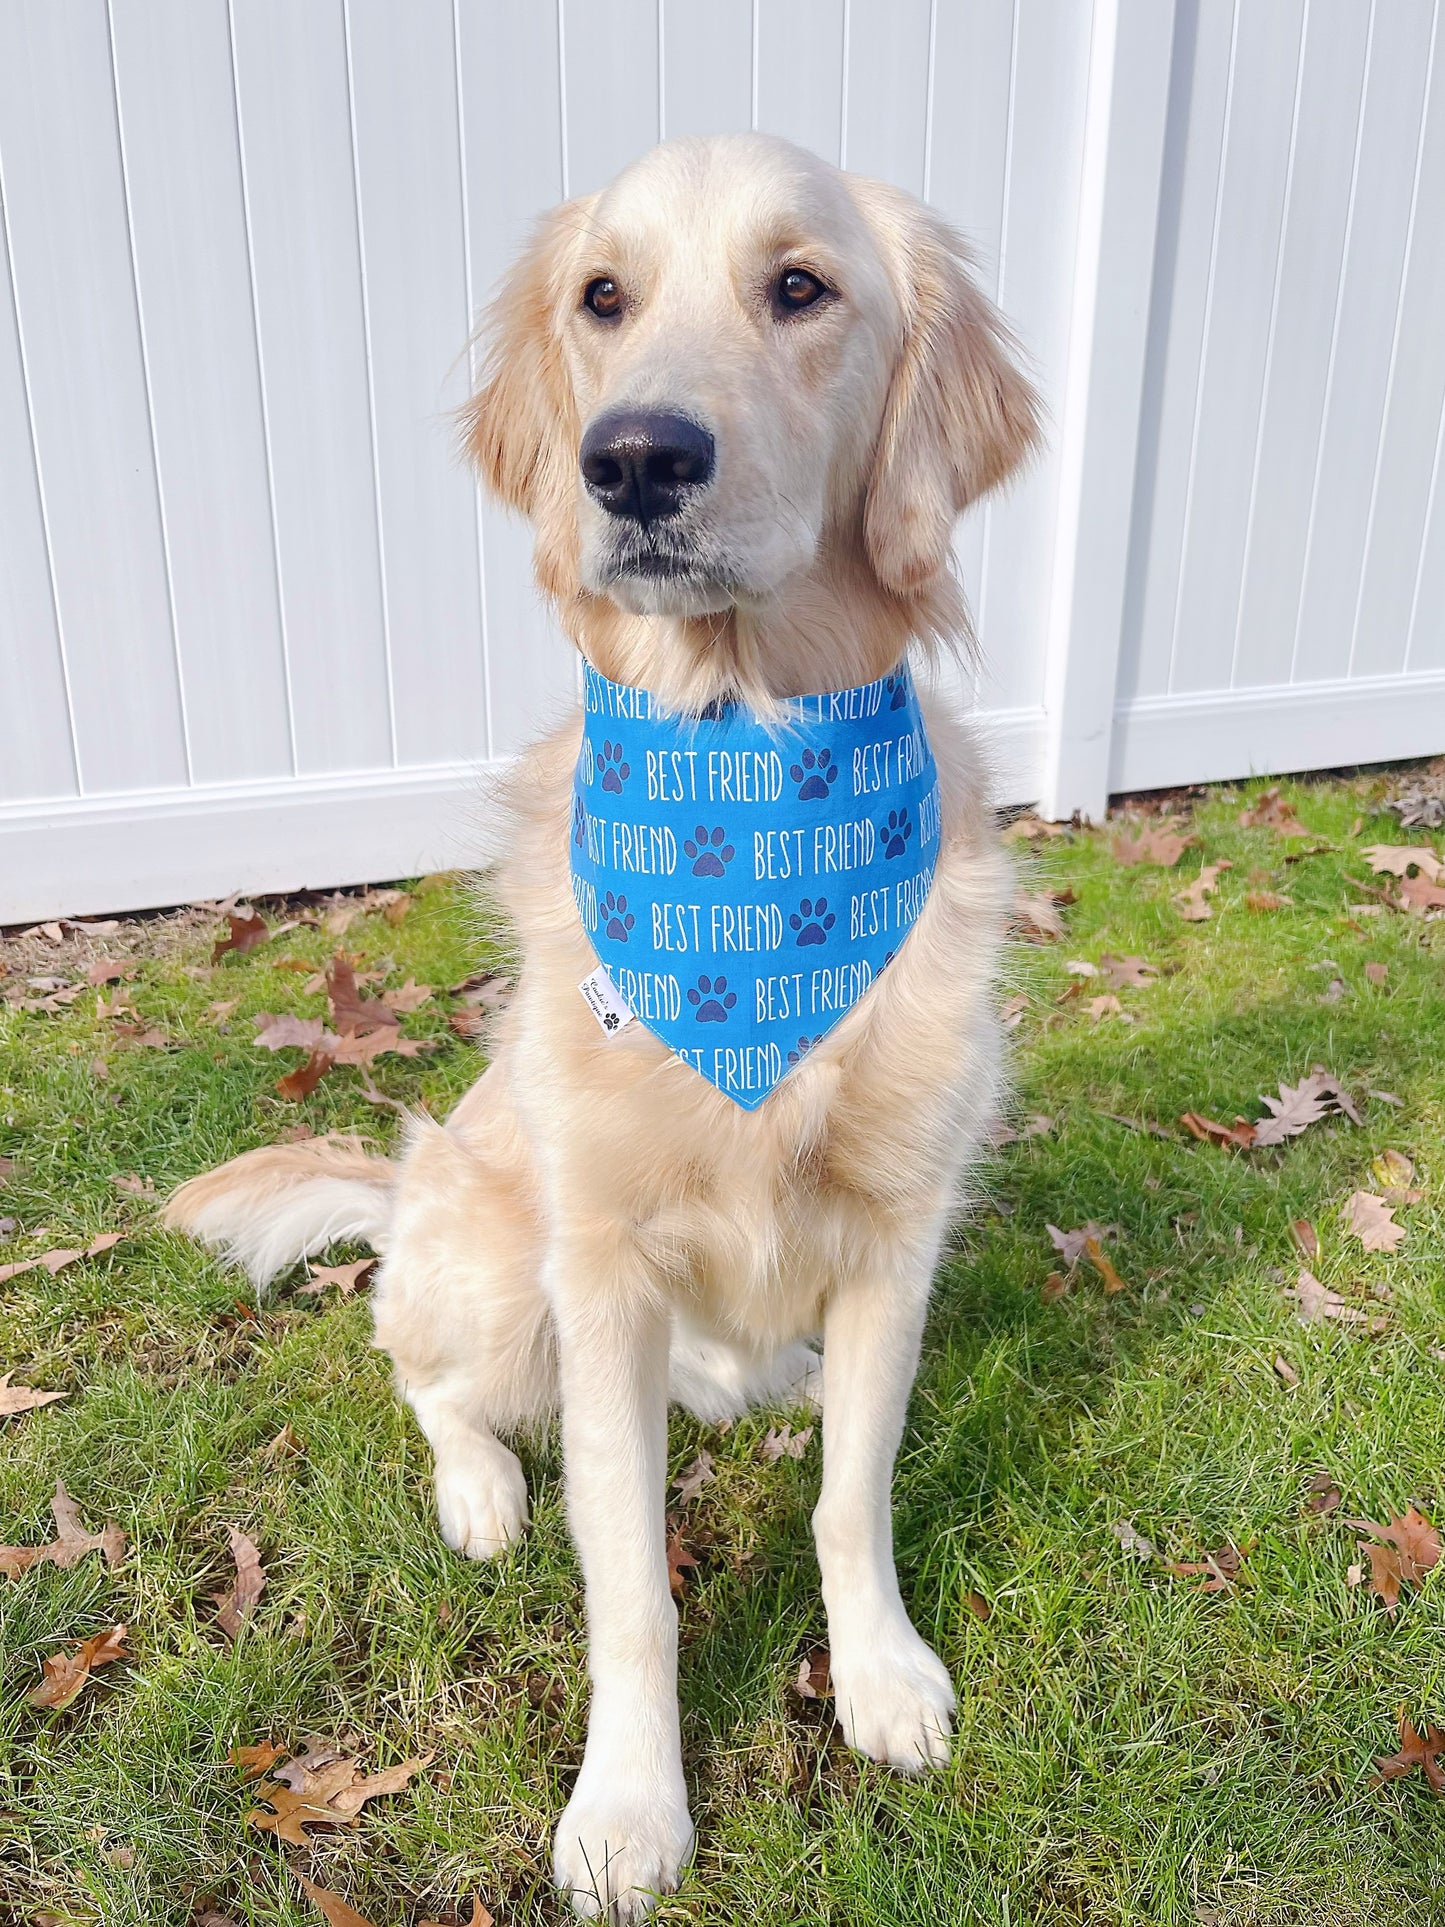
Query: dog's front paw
[
  {"x": 894, "y": 1698},
  {"x": 620, "y": 1844},
  {"x": 481, "y": 1498}
]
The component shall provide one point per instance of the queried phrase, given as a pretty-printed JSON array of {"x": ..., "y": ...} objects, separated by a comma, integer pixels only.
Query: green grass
[{"x": 1130, "y": 1749}]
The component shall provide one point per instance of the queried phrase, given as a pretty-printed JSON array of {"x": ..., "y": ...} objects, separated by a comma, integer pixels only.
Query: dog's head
[{"x": 731, "y": 358}]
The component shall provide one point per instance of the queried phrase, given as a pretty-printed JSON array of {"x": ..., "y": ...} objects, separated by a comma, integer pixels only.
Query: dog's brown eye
[
  {"x": 797, "y": 289},
  {"x": 603, "y": 297}
]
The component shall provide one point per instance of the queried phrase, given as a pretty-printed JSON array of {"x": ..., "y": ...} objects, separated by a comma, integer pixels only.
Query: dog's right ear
[{"x": 520, "y": 427}]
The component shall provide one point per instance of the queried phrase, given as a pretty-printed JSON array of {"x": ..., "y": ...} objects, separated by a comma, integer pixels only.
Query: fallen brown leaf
[
  {"x": 1192, "y": 902},
  {"x": 1300, "y": 1105},
  {"x": 1313, "y": 1301},
  {"x": 1126, "y": 973},
  {"x": 1392, "y": 1171},
  {"x": 1071, "y": 1245},
  {"x": 238, "y": 1602},
  {"x": 346, "y": 1278},
  {"x": 256, "y": 1760},
  {"x": 1094, "y": 1252},
  {"x": 350, "y": 1011},
  {"x": 1029, "y": 828},
  {"x": 1285, "y": 1372},
  {"x": 1325, "y": 1496},
  {"x": 1053, "y": 1287},
  {"x": 1155, "y": 843},
  {"x": 331, "y": 1794},
  {"x": 1240, "y": 1134},
  {"x": 55, "y": 1261},
  {"x": 1271, "y": 811},
  {"x": 63, "y": 1674},
  {"x": 332, "y": 1905},
  {"x": 1416, "y": 1749},
  {"x": 814, "y": 1681},
  {"x": 978, "y": 1606},
  {"x": 1306, "y": 1239},
  {"x": 71, "y": 1544},
  {"x": 408, "y": 996},
  {"x": 106, "y": 970},
  {"x": 277, "y": 1030},
  {"x": 1419, "y": 895},
  {"x": 1012, "y": 1013},
  {"x": 1265, "y": 900},
  {"x": 689, "y": 1483},
  {"x": 480, "y": 1917},
  {"x": 1218, "y": 1570},
  {"x": 1378, "y": 973},
  {"x": 22, "y": 1398},
  {"x": 1372, "y": 1221},
  {"x": 1036, "y": 916},
  {"x": 1399, "y": 860},
  {"x": 1106, "y": 1006},
  {"x": 783, "y": 1442},
  {"x": 1411, "y": 1548},
  {"x": 248, "y": 929},
  {"x": 678, "y": 1560},
  {"x": 303, "y": 1081}
]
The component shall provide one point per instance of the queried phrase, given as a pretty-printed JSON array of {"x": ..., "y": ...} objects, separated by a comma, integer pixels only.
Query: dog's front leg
[
  {"x": 892, "y": 1692},
  {"x": 626, "y": 1831}
]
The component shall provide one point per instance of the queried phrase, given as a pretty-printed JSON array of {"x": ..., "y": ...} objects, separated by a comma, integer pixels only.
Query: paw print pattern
[
  {"x": 896, "y": 830},
  {"x": 815, "y": 773},
  {"x": 579, "y": 822},
  {"x": 709, "y": 852},
  {"x": 618, "y": 919},
  {"x": 711, "y": 1000},
  {"x": 812, "y": 920},
  {"x": 800, "y": 1051},
  {"x": 615, "y": 771},
  {"x": 897, "y": 691}
]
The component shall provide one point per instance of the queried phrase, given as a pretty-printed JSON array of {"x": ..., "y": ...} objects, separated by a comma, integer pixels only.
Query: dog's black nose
[{"x": 642, "y": 465}]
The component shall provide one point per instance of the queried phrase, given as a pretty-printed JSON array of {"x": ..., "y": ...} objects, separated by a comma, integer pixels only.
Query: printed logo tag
[{"x": 603, "y": 1001}]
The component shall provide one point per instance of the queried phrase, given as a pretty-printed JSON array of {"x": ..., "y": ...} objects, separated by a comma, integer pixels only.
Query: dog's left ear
[{"x": 959, "y": 417}]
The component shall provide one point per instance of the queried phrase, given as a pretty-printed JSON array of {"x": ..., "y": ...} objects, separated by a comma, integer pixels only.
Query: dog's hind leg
[{"x": 458, "y": 1305}]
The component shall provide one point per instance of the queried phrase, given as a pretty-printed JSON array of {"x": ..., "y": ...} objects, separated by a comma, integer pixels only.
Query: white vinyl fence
[{"x": 256, "y": 629}]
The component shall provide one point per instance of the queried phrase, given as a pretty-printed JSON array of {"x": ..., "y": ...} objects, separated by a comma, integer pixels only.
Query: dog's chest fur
[{"x": 748, "y": 1218}]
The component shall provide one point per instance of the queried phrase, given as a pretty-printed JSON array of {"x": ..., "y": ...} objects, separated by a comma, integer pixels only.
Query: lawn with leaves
[{"x": 1123, "y": 1501}]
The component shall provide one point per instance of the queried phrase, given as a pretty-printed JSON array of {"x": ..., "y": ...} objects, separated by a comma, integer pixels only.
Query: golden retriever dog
[{"x": 809, "y": 390}]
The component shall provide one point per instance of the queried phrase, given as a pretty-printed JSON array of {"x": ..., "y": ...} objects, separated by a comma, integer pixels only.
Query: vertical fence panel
[
  {"x": 885, "y": 98},
  {"x": 800, "y": 73},
  {"x": 296, "y": 150},
  {"x": 36, "y": 754},
  {"x": 612, "y": 87},
  {"x": 1311, "y": 256},
  {"x": 509, "y": 84},
  {"x": 75, "y": 297},
  {"x": 188, "y": 226},
  {"x": 404, "y": 100},
  {"x": 707, "y": 67}
]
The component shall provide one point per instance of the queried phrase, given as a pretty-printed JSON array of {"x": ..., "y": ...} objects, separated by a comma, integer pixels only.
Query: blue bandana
[{"x": 744, "y": 882}]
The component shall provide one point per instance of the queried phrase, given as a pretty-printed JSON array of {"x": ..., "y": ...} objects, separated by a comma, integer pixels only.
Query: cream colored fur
[{"x": 595, "y": 1219}]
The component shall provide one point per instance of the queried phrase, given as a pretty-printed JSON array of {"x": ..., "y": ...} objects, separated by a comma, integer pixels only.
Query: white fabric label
[{"x": 611, "y": 1012}]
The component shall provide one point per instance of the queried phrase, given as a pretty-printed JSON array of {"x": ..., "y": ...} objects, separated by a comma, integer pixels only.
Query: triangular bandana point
[{"x": 744, "y": 882}]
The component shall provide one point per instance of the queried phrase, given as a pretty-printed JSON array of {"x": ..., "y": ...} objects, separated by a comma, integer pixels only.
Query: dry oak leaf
[
  {"x": 1392, "y": 1171},
  {"x": 1306, "y": 1239},
  {"x": 678, "y": 1560},
  {"x": 54, "y": 1261},
  {"x": 105, "y": 970},
  {"x": 1219, "y": 1571},
  {"x": 256, "y": 1760},
  {"x": 1072, "y": 1245},
  {"x": 1240, "y": 1134},
  {"x": 1094, "y": 1252},
  {"x": 22, "y": 1398},
  {"x": 1262, "y": 900},
  {"x": 65, "y": 1673},
  {"x": 346, "y": 1278},
  {"x": 1157, "y": 843},
  {"x": 71, "y": 1544},
  {"x": 1300, "y": 1105},
  {"x": 1191, "y": 902},
  {"x": 1372, "y": 1221},
  {"x": 1126, "y": 973},
  {"x": 1036, "y": 916},
  {"x": 1284, "y": 1371},
  {"x": 782, "y": 1442},
  {"x": 1416, "y": 1749},
  {"x": 814, "y": 1681},
  {"x": 481, "y": 1917},
  {"x": 408, "y": 996},
  {"x": 1411, "y": 1547},
  {"x": 1271, "y": 811},
  {"x": 303, "y": 1081},
  {"x": 689, "y": 1483},
  {"x": 1313, "y": 1301},
  {"x": 248, "y": 929},
  {"x": 350, "y": 1011},
  {"x": 236, "y": 1605},
  {"x": 1053, "y": 1287},
  {"x": 276, "y": 1030},
  {"x": 332, "y": 1905},
  {"x": 1325, "y": 1496},
  {"x": 1419, "y": 895},
  {"x": 1398, "y": 860},
  {"x": 330, "y": 1795}
]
